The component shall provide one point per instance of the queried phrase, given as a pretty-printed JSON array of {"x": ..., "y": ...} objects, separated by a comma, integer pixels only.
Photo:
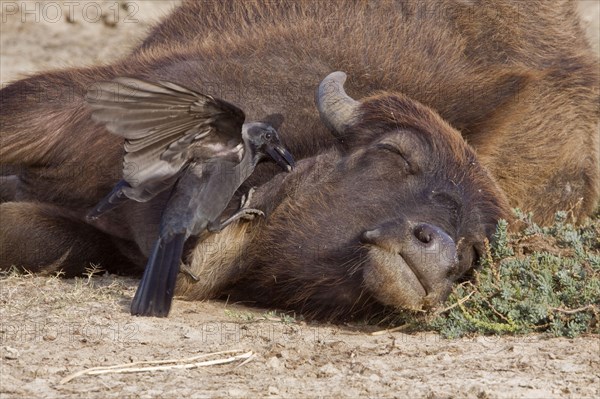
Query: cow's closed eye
[
  {"x": 391, "y": 148},
  {"x": 394, "y": 149}
]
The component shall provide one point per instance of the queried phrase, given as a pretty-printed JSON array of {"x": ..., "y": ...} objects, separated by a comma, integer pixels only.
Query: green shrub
[{"x": 541, "y": 279}]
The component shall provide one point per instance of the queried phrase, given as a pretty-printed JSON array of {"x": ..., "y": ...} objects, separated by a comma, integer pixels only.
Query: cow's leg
[
  {"x": 49, "y": 141},
  {"x": 42, "y": 238}
]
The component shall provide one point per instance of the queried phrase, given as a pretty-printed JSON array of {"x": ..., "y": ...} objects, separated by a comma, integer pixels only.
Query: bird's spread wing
[{"x": 159, "y": 122}]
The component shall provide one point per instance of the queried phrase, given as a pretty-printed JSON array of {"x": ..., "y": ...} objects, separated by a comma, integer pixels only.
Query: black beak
[{"x": 282, "y": 157}]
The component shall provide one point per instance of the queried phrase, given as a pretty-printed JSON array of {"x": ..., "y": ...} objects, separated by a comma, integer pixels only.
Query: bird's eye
[{"x": 268, "y": 136}]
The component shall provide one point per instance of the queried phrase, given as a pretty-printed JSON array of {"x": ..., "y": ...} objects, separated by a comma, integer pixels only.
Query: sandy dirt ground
[{"x": 51, "y": 327}]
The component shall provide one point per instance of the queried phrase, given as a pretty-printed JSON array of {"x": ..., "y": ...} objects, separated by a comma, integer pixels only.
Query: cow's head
[{"x": 394, "y": 216}]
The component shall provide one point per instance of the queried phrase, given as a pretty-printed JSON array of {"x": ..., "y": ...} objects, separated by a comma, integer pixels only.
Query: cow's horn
[{"x": 335, "y": 107}]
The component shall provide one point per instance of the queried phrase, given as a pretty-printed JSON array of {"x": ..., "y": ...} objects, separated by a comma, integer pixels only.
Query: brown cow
[{"x": 390, "y": 210}]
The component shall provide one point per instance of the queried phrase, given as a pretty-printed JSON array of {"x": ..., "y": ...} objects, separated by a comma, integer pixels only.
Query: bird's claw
[
  {"x": 183, "y": 268},
  {"x": 245, "y": 212},
  {"x": 249, "y": 213}
]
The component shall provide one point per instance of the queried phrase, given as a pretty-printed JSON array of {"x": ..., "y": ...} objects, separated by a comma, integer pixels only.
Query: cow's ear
[{"x": 336, "y": 109}]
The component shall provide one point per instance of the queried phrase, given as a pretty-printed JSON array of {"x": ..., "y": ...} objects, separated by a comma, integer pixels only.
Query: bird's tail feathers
[{"x": 155, "y": 292}]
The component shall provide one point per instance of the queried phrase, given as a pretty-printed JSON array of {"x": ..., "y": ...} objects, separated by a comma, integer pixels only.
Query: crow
[
  {"x": 192, "y": 144},
  {"x": 165, "y": 126}
]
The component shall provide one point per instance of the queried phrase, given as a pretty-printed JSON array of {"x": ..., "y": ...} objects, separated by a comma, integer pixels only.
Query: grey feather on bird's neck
[{"x": 250, "y": 158}]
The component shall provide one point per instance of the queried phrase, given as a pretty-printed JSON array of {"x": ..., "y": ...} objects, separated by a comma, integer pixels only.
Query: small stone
[
  {"x": 327, "y": 370},
  {"x": 274, "y": 363},
  {"x": 273, "y": 390},
  {"x": 10, "y": 353},
  {"x": 49, "y": 337},
  {"x": 374, "y": 378}
]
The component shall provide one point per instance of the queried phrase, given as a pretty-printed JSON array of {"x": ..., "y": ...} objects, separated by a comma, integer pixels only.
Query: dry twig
[
  {"x": 186, "y": 363},
  {"x": 391, "y": 330}
]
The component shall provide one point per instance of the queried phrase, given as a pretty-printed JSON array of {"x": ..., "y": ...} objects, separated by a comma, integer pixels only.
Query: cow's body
[{"x": 516, "y": 79}]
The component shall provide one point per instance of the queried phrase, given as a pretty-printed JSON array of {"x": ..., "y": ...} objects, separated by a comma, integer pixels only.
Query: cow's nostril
[{"x": 423, "y": 234}]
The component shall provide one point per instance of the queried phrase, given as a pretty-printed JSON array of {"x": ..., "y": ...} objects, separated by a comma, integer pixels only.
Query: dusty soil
[{"x": 51, "y": 327}]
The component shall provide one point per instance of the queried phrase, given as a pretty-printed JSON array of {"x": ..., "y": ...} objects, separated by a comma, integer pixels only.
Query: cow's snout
[{"x": 425, "y": 249}]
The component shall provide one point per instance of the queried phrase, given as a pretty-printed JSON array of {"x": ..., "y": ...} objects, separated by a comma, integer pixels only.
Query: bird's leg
[
  {"x": 246, "y": 198},
  {"x": 183, "y": 268},
  {"x": 245, "y": 212}
]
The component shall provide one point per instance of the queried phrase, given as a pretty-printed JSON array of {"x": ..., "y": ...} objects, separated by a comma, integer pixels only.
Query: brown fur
[{"x": 516, "y": 79}]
